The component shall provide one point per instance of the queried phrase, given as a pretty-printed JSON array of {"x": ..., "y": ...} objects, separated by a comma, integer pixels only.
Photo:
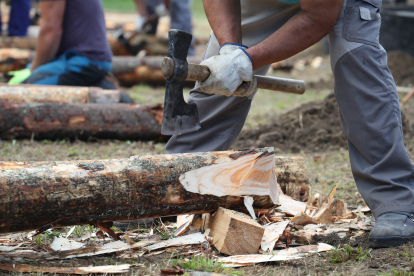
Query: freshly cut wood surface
[
  {"x": 61, "y": 193},
  {"x": 183, "y": 223},
  {"x": 65, "y": 270},
  {"x": 249, "y": 174},
  {"x": 58, "y": 94},
  {"x": 82, "y": 121},
  {"x": 235, "y": 233}
]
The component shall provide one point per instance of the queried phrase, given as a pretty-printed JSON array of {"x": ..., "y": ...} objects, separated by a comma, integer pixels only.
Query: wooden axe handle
[{"x": 201, "y": 73}]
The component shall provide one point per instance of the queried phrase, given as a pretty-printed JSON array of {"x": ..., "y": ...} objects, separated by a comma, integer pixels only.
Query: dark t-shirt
[{"x": 84, "y": 30}]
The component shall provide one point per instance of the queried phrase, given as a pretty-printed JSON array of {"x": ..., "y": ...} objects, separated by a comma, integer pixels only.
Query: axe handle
[{"x": 201, "y": 73}]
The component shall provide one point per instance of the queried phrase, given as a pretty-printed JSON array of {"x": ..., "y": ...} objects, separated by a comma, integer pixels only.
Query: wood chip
[
  {"x": 196, "y": 238},
  {"x": 183, "y": 223},
  {"x": 272, "y": 233},
  {"x": 64, "y": 244},
  {"x": 65, "y": 270},
  {"x": 290, "y": 206}
]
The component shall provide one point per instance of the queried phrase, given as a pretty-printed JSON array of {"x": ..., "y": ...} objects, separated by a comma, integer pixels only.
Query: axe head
[{"x": 179, "y": 117}]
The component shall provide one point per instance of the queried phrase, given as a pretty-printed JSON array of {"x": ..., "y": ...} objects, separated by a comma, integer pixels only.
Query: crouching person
[{"x": 72, "y": 48}]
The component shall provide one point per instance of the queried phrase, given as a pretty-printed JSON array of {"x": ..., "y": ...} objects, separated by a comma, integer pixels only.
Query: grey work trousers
[{"x": 364, "y": 89}]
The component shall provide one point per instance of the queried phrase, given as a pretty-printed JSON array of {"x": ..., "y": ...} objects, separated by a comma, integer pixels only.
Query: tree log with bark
[
  {"x": 58, "y": 94},
  {"x": 14, "y": 59},
  {"x": 40, "y": 195},
  {"x": 61, "y": 121}
]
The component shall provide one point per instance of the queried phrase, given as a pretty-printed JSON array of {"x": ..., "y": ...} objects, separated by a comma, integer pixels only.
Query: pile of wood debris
[{"x": 280, "y": 234}]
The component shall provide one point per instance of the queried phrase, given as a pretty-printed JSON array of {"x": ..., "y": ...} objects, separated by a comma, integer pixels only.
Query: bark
[
  {"x": 58, "y": 94},
  {"x": 60, "y": 121},
  {"x": 46, "y": 194}
]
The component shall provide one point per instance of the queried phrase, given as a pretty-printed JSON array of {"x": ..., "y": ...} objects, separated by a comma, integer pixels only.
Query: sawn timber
[
  {"x": 54, "y": 121},
  {"x": 62, "y": 193}
]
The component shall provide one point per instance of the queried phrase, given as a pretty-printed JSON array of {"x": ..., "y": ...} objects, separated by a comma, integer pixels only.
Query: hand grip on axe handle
[{"x": 201, "y": 73}]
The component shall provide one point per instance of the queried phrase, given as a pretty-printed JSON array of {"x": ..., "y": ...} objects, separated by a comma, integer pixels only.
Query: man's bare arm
[
  {"x": 317, "y": 19},
  {"x": 224, "y": 17},
  {"x": 50, "y": 32}
]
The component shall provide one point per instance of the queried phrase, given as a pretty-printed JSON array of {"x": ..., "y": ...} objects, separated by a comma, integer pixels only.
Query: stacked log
[
  {"x": 54, "y": 121},
  {"x": 58, "y": 94},
  {"x": 12, "y": 59},
  {"x": 50, "y": 194}
]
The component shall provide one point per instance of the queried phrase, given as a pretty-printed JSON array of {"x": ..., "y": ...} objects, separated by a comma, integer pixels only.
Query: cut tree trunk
[
  {"x": 46, "y": 194},
  {"x": 14, "y": 59},
  {"x": 154, "y": 45},
  {"x": 130, "y": 71},
  {"x": 58, "y": 94},
  {"x": 53, "y": 121}
]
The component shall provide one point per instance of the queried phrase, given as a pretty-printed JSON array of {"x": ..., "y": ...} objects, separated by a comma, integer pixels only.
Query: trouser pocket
[{"x": 362, "y": 21}]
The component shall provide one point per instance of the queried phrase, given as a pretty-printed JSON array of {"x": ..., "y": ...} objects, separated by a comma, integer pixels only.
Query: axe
[{"x": 180, "y": 117}]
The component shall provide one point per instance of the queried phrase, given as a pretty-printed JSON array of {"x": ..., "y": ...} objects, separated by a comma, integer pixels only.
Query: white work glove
[
  {"x": 228, "y": 72},
  {"x": 229, "y": 48},
  {"x": 160, "y": 10},
  {"x": 140, "y": 22}
]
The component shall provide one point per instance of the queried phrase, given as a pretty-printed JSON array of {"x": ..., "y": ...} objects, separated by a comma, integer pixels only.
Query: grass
[
  {"x": 347, "y": 253},
  {"x": 203, "y": 263}
]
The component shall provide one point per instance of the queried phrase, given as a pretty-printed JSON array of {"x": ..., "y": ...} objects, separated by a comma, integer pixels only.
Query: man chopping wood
[
  {"x": 72, "y": 48},
  {"x": 248, "y": 35}
]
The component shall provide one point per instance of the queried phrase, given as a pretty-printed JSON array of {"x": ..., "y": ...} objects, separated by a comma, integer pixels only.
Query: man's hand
[
  {"x": 228, "y": 72},
  {"x": 50, "y": 32},
  {"x": 19, "y": 76}
]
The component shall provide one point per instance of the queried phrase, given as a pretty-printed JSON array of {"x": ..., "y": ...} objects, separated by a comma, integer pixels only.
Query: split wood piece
[
  {"x": 62, "y": 193},
  {"x": 296, "y": 182},
  {"x": 324, "y": 216},
  {"x": 235, "y": 233},
  {"x": 290, "y": 206},
  {"x": 53, "y": 121},
  {"x": 272, "y": 234},
  {"x": 280, "y": 255},
  {"x": 196, "y": 238},
  {"x": 22, "y": 268},
  {"x": 14, "y": 59},
  {"x": 58, "y": 94},
  {"x": 130, "y": 71},
  {"x": 248, "y": 174},
  {"x": 183, "y": 223},
  {"x": 337, "y": 207}
]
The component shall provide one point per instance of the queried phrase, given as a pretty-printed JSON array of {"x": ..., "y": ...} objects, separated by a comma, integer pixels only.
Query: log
[
  {"x": 235, "y": 233},
  {"x": 62, "y": 193},
  {"x": 131, "y": 70},
  {"x": 58, "y": 94},
  {"x": 53, "y": 121},
  {"x": 154, "y": 45},
  {"x": 14, "y": 59}
]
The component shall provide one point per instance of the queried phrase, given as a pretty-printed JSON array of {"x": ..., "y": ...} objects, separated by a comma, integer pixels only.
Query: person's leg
[
  {"x": 151, "y": 4},
  {"x": 222, "y": 118},
  {"x": 19, "y": 20},
  {"x": 181, "y": 19},
  {"x": 70, "y": 69},
  {"x": 371, "y": 118}
]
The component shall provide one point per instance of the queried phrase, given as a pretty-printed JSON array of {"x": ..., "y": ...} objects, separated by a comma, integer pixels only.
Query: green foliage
[
  {"x": 342, "y": 255},
  {"x": 38, "y": 241},
  {"x": 399, "y": 272},
  {"x": 203, "y": 263}
]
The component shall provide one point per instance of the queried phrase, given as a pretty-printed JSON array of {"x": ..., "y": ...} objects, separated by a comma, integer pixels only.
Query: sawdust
[
  {"x": 402, "y": 67},
  {"x": 312, "y": 127}
]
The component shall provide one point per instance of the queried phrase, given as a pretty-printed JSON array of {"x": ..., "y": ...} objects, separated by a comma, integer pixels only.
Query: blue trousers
[
  {"x": 72, "y": 69},
  {"x": 19, "y": 20}
]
